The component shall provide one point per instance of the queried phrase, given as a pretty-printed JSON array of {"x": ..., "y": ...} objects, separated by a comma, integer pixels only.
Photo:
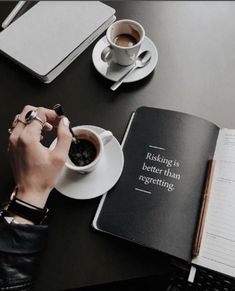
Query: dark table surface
[{"x": 195, "y": 74}]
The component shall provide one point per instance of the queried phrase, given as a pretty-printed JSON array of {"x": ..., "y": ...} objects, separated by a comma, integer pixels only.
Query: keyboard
[{"x": 205, "y": 280}]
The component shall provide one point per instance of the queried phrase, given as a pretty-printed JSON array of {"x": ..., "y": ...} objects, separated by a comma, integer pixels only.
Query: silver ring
[
  {"x": 14, "y": 123},
  {"x": 40, "y": 120},
  {"x": 30, "y": 115},
  {"x": 33, "y": 115},
  {"x": 16, "y": 120},
  {"x": 19, "y": 120}
]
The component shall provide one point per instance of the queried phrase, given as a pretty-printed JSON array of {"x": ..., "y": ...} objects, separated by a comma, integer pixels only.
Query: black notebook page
[{"x": 156, "y": 202}]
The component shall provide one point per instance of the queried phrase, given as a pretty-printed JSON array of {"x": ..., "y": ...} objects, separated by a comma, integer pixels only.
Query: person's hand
[{"x": 35, "y": 167}]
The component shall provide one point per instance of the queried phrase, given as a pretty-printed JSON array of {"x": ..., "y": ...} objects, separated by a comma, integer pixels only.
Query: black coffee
[
  {"x": 125, "y": 40},
  {"x": 82, "y": 153}
]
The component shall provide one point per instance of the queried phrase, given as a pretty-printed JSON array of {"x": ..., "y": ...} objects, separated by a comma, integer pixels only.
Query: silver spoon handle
[
  {"x": 120, "y": 81},
  {"x": 60, "y": 111}
]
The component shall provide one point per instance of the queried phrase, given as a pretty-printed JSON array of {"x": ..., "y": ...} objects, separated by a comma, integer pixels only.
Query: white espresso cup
[
  {"x": 125, "y": 38},
  {"x": 98, "y": 141}
]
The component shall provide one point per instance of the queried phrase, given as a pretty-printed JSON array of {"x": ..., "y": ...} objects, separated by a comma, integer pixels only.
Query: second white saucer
[
  {"x": 96, "y": 183},
  {"x": 114, "y": 71}
]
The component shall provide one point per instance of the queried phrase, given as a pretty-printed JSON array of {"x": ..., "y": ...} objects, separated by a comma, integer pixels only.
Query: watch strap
[{"x": 28, "y": 211}]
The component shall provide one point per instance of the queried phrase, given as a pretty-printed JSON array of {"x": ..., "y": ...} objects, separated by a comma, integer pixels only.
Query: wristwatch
[{"x": 26, "y": 210}]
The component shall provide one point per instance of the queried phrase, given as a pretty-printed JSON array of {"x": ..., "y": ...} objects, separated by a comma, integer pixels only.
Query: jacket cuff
[
  {"x": 22, "y": 238},
  {"x": 20, "y": 246}
]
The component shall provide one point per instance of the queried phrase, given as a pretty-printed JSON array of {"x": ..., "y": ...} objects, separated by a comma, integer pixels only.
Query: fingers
[
  {"x": 47, "y": 127},
  {"x": 64, "y": 139},
  {"x": 48, "y": 115},
  {"x": 28, "y": 133},
  {"x": 19, "y": 125},
  {"x": 32, "y": 131},
  {"x": 41, "y": 121}
]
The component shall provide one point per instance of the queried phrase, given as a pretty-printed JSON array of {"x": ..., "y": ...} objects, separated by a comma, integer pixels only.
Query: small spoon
[
  {"x": 59, "y": 111},
  {"x": 140, "y": 62}
]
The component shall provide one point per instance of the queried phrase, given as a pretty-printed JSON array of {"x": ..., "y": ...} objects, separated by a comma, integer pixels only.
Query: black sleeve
[{"x": 20, "y": 245}]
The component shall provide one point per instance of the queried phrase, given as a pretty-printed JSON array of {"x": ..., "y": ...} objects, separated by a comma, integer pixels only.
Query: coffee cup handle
[
  {"x": 106, "y": 55},
  {"x": 106, "y": 136}
]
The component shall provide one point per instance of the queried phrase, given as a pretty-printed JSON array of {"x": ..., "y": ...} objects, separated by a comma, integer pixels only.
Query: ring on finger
[
  {"x": 16, "y": 120},
  {"x": 39, "y": 120},
  {"x": 33, "y": 115},
  {"x": 21, "y": 121},
  {"x": 14, "y": 123}
]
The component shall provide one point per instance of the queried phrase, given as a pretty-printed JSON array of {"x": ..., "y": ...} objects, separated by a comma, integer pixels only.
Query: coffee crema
[
  {"x": 82, "y": 153},
  {"x": 125, "y": 40}
]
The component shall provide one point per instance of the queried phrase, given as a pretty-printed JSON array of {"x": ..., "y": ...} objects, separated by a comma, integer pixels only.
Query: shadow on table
[{"x": 153, "y": 283}]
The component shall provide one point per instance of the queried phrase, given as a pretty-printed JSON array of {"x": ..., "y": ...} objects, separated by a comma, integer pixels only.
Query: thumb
[{"x": 64, "y": 138}]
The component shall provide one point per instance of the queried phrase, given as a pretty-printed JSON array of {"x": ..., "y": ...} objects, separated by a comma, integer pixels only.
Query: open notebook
[
  {"x": 159, "y": 198},
  {"x": 49, "y": 36}
]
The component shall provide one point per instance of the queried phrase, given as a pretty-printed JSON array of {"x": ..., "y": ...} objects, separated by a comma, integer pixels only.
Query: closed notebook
[{"x": 48, "y": 37}]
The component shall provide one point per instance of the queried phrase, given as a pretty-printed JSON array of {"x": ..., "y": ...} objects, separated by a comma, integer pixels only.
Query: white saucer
[
  {"x": 114, "y": 71},
  {"x": 99, "y": 181}
]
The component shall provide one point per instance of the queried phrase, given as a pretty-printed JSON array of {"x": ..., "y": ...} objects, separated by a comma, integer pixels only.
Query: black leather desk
[{"x": 195, "y": 74}]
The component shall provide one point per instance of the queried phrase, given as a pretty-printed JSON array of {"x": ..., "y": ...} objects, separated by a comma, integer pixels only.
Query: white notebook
[{"x": 48, "y": 37}]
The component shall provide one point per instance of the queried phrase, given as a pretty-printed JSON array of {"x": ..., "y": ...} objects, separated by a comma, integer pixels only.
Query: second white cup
[{"x": 125, "y": 38}]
